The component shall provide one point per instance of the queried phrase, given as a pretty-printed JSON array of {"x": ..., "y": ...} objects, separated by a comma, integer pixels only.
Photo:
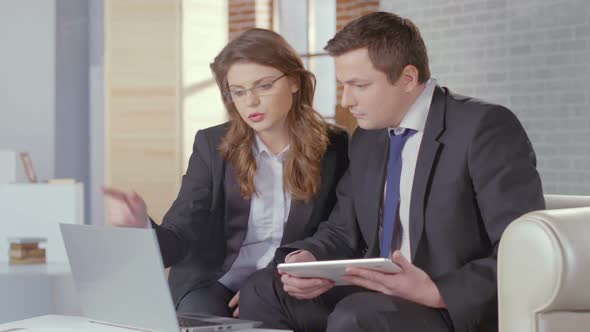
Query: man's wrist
[
  {"x": 438, "y": 301},
  {"x": 292, "y": 253}
]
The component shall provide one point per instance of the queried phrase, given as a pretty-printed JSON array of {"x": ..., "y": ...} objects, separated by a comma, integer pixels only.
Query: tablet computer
[{"x": 334, "y": 270}]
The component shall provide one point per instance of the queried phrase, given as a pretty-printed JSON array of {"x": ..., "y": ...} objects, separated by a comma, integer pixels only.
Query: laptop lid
[
  {"x": 119, "y": 275},
  {"x": 120, "y": 279}
]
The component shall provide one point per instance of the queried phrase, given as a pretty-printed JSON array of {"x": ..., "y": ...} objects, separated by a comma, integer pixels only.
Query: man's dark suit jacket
[
  {"x": 476, "y": 172},
  {"x": 201, "y": 234}
]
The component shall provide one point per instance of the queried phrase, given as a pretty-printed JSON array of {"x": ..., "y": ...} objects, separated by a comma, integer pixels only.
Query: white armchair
[{"x": 544, "y": 269}]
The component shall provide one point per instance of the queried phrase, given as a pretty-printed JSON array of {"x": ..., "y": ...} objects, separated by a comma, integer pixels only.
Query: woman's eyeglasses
[{"x": 261, "y": 89}]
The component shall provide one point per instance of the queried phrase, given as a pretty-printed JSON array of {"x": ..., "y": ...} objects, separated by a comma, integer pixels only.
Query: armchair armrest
[{"x": 544, "y": 271}]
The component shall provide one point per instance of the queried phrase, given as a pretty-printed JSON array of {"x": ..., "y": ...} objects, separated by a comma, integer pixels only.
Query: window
[{"x": 307, "y": 26}]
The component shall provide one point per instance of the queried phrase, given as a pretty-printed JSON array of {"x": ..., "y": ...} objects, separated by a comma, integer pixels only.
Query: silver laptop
[{"x": 120, "y": 280}]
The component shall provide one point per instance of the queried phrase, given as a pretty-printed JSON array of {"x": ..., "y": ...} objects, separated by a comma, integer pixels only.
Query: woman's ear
[{"x": 293, "y": 84}]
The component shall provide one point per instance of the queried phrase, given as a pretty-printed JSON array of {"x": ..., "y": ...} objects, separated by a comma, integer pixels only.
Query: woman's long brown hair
[{"x": 307, "y": 129}]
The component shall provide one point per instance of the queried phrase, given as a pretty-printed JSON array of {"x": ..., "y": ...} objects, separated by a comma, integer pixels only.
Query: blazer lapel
[
  {"x": 427, "y": 156},
  {"x": 372, "y": 188},
  {"x": 299, "y": 214},
  {"x": 237, "y": 213},
  {"x": 218, "y": 166}
]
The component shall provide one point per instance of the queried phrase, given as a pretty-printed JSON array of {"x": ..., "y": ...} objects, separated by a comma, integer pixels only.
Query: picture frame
[{"x": 28, "y": 167}]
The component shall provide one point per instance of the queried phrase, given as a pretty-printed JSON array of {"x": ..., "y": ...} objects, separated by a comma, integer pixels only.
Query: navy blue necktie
[{"x": 391, "y": 204}]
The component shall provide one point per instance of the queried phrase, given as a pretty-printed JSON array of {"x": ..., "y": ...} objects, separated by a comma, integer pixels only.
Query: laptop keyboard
[{"x": 191, "y": 322}]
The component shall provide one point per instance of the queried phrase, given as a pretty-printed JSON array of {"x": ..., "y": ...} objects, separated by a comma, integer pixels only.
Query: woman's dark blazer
[{"x": 201, "y": 234}]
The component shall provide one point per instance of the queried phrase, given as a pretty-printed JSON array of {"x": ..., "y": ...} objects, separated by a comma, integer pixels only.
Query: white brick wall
[{"x": 530, "y": 55}]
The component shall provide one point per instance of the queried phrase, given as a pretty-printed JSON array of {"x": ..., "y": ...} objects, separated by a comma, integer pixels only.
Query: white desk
[
  {"x": 54, "y": 323},
  {"x": 33, "y": 290},
  {"x": 43, "y": 298}
]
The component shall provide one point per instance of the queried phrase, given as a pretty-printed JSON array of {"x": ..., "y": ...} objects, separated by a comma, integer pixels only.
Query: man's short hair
[{"x": 393, "y": 43}]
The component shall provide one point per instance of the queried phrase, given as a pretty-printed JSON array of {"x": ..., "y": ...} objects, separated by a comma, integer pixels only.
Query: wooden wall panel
[{"x": 142, "y": 99}]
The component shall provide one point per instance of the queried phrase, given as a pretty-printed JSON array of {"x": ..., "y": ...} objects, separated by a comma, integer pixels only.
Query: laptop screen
[{"x": 119, "y": 276}]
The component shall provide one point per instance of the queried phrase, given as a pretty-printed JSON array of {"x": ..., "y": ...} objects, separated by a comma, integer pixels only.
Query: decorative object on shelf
[
  {"x": 26, "y": 250},
  {"x": 28, "y": 166},
  {"x": 61, "y": 181}
]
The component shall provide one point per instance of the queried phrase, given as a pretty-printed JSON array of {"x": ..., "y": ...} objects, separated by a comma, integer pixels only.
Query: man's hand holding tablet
[
  {"x": 409, "y": 282},
  {"x": 304, "y": 277},
  {"x": 336, "y": 269}
]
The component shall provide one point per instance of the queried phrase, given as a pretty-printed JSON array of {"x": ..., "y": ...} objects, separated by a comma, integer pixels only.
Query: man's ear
[{"x": 409, "y": 77}]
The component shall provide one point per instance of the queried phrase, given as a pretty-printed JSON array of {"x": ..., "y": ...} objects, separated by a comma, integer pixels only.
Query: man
[{"x": 434, "y": 179}]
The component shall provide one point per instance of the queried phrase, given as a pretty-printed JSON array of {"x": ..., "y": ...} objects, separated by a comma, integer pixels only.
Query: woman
[{"x": 265, "y": 178}]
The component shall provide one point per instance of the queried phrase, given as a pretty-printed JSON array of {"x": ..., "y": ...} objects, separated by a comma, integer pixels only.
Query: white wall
[
  {"x": 95, "y": 206},
  {"x": 72, "y": 93},
  {"x": 27, "y": 81},
  {"x": 530, "y": 55},
  {"x": 44, "y": 84}
]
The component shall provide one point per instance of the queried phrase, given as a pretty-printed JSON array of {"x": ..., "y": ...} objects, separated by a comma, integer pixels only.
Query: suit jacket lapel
[
  {"x": 299, "y": 214},
  {"x": 218, "y": 166},
  {"x": 427, "y": 156},
  {"x": 373, "y": 185},
  {"x": 237, "y": 213}
]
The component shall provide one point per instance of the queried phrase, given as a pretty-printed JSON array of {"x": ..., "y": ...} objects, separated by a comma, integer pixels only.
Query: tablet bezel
[{"x": 335, "y": 269}]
